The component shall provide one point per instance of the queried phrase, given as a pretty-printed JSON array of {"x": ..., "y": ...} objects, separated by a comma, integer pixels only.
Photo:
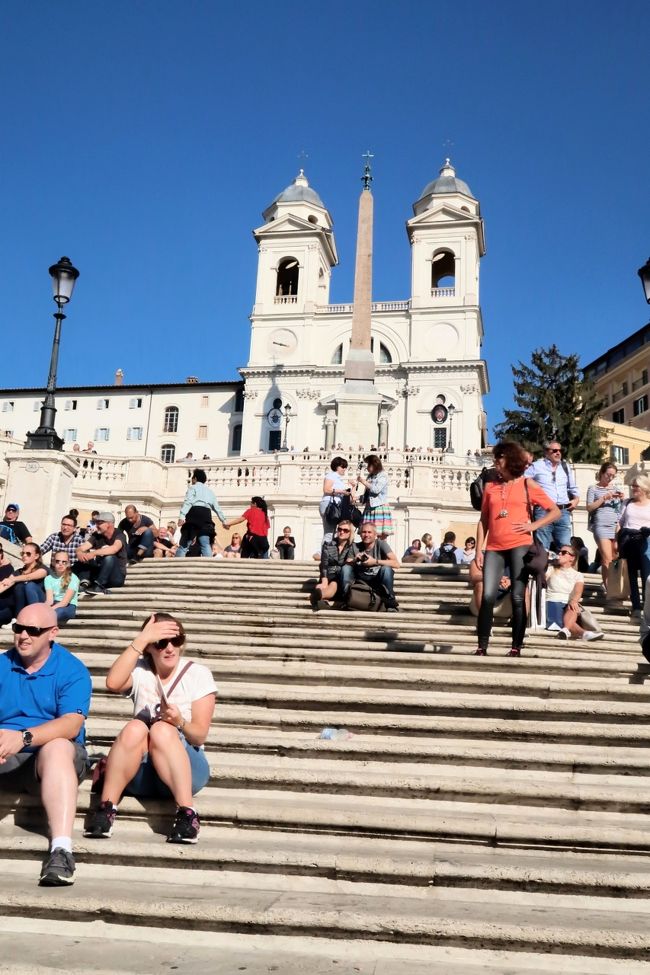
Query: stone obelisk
[{"x": 357, "y": 401}]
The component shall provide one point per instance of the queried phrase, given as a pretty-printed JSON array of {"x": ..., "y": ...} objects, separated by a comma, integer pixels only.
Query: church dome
[
  {"x": 446, "y": 183},
  {"x": 299, "y": 192}
]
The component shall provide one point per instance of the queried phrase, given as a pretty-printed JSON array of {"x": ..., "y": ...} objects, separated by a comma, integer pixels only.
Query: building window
[
  {"x": 239, "y": 401},
  {"x": 134, "y": 433},
  {"x": 102, "y": 434},
  {"x": 168, "y": 453},
  {"x": 275, "y": 439},
  {"x": 71, "y": 404},
  {"x": 203, "y": 432},
  {"x": 37, "y": 405},
  {"x": 8, "y": 406},
  {"x": 103, "y": 404},
  {"x": 236, "y": 439},
  {"x": 443, "y": 270},
  {"x": 70, "y": 435},
  {"x": 337, "y": 357},
  {"x": 618, "y": 416},
  {"x": 135, "y": 403},
  {"x": 287, "y": 280},
  {"x": 440, "y": 437},
  {"x": 384, "y": 354},
  {"x": 205, "y": 402},
  {"x": 641, "y": 405},
  {"x": 170, "y": 423},
  {"x": 620, "y": 455}
]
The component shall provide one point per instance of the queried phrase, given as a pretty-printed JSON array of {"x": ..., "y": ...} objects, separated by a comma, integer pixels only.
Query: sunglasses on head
[
  {"x": 30, "y": 630},
  {"x": 176, "y": 641}
]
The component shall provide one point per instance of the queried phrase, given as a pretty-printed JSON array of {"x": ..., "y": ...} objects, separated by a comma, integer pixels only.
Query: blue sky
[{"x": 143, "y": 138}]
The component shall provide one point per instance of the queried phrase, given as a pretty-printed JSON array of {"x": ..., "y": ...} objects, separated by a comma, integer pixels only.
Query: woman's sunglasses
[{"x": 176, "y": 641}]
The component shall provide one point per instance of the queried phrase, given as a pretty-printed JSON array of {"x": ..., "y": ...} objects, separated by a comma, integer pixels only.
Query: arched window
[
  {"x": 287, "y": 282},
  {"x": 384, "y": 354},
  {"x": 168, "y": 453},
  {"x": 170, "y": 423},
  {"x": 443, "y": 269},
  {"x": 236, "y": 439},
  {"x": 337, "y": 358}
]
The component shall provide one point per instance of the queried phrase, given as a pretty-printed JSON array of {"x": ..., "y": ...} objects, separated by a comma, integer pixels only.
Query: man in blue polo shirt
[
  {"x": 44, "y": 700},
  {"x": 556, "y": 478}
]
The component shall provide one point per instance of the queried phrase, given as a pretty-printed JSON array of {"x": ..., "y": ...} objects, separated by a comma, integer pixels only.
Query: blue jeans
[
  {"x": 493, "y": 565},
  {"x": 146, "y": 781},
  {"x": 104, "y": 571},
  {"x": 65, "y": 613},
  {"x": 26, "y": 593},
  {"x": 380, "y": 582},
  {"x": 559, "y": 531},
  {"x": 204, "y": 542},
  {"x": 143, "y": 541}
]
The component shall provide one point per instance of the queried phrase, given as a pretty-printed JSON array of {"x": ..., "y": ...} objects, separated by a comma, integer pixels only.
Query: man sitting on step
[
  {"x": 101, "y": 560},
  {"x": 374, "y": 563},
  {"x": 44, "y": 700},
  {"x": 138, "y": 530}
]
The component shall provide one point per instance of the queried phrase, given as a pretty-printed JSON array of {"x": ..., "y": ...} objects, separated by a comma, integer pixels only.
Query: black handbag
[
  {"x": 630, "y": 541},
  {"x": 350, "y": 511},
  {"x": 536, "y": 558},
  {"x": 333, "y": 511}
]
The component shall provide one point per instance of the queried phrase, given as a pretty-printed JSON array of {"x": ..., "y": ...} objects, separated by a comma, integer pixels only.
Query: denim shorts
[{"x": 147, "y": 783}]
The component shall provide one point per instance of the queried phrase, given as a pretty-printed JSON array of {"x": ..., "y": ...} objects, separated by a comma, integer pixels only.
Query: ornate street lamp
[
  {"x": 644, "y": 274},
  {"x": 287, "y": 416},
  {"x": 63, "y": 275},
  {"x": 451, "y": 409}
]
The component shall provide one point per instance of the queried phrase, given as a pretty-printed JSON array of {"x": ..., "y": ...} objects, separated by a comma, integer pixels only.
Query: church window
[
  {"x": 202, "y": 432},
  {"x": 168, "y": 453},
  {"x": 312, "y": 218},
  {"x": 287, "y": 281},
  {"x": 170, "y": 423},
  {"x": 443, "y": 269},
  {"x": 236, "y": 439},
  {"x": 239, "y": 401},
  {"x": 384, "y": 354},
  {"x": 337, "y": 358},
  {"x": 275, "y": 439},
  {"x": 440, "y": 437}
]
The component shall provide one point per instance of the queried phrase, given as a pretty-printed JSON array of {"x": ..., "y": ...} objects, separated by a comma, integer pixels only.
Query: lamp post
[
  {"x": 63, "y": 275},
  {"x": 644, "y": 274},
  {"x": 286, "y": 416},
  {"x": 451, "y": 410}
]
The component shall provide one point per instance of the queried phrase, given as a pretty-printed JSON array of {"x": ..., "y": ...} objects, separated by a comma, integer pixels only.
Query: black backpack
[
  {"x": 447, "y": 554},
  {"x": 477, "y": 487}
]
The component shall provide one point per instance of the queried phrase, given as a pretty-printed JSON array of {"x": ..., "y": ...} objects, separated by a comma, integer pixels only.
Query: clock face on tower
[{"x": 282, "y": 343}]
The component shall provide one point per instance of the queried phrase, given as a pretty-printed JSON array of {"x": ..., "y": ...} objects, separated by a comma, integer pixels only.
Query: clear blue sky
[{"x": 143, "y": 138}]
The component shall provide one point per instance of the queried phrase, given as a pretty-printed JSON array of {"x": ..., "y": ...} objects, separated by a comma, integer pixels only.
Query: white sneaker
[
  {"x": 554, "y": 627},
  {"x": 564, "y": 634},
  {"x": 590, "y": 635}
]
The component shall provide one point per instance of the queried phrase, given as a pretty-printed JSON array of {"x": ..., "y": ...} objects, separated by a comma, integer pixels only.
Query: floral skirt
[{"x": 381, "y": 517}]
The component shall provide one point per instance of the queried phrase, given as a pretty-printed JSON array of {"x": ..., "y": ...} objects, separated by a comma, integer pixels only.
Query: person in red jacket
[{"x": 255, "y": 543}]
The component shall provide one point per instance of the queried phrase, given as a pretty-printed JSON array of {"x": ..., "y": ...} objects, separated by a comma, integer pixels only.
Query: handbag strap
[
  {"x": 166, "y": 694},
  {"x": 530, "y": 507}
]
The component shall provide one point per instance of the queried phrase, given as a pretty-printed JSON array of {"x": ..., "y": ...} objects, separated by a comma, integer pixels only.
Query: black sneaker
[
  {"x": 101, "y": 825},
  {"x": 58, "y": 869},
  {"x": 84, "y": 583},
  {"x": 186, "y": 828},
  {"x": 97, "y": 590}
]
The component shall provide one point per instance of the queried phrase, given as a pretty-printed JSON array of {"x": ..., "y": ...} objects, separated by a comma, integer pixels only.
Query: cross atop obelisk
[{"x": 360, "y": 363}]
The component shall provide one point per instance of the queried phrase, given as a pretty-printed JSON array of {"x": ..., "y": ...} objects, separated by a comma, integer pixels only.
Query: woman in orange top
[{"x": 505, "y": 533}]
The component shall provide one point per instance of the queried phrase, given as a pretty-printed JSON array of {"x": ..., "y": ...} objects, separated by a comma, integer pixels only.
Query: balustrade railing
[
  {"x": 285, "y": 300},
  {"x": 377, "y": 306},
  {"x": 443, "y": 292}
]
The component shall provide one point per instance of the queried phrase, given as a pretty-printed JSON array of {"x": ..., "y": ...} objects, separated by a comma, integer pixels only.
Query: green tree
[{"x": 554, "y": 401}]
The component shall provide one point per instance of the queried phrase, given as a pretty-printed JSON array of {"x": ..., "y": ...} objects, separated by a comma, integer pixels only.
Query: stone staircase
[{"x": 486, "y": 815}]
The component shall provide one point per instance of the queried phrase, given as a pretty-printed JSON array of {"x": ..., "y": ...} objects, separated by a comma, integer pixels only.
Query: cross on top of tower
[{"x": 367, "y": 178}]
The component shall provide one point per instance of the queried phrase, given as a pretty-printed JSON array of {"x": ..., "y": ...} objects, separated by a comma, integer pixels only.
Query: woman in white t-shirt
[
  {"x": 564, "y": 587},
  {"x": 159, "y": 753}
]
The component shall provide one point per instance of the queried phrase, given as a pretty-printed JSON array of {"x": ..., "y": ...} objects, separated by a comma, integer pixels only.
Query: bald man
[{"x": 44, "y": 701}]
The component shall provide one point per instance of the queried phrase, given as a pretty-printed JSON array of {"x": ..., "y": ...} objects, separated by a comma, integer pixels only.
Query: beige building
[
  {"x": 625, "y": 443},
  {"x": 622, "y": 377}
]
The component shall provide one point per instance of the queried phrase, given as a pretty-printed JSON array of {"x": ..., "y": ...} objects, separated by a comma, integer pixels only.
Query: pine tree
[{"x": 554, "y": 402}]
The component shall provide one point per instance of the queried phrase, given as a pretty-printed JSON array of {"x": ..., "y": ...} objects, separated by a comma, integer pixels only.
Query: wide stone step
[{"x": 170, "y": 898}]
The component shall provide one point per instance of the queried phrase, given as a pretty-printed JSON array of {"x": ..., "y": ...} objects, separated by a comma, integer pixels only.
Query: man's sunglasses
[
  {"x": 176, "y": 641},
  {"x": 30, "y": 630}
]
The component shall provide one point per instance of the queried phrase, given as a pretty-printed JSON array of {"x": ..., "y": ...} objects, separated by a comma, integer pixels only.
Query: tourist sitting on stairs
[{"x": 159, "y": 753}]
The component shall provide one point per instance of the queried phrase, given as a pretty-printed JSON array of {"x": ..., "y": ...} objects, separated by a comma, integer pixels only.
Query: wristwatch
[{"x": 28, "y": 738}]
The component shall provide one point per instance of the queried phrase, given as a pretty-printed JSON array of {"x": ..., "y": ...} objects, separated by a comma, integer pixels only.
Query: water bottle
[{"x": 335, "y": 734}]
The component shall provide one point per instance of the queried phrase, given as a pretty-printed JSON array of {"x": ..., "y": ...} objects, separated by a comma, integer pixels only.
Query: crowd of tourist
[{"x": 523, "y": 534}]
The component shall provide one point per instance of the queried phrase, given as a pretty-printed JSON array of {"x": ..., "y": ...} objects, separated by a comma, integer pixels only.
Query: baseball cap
[
  {"x": 12, "y": 507},
  {"x": 106, "y": 516}
]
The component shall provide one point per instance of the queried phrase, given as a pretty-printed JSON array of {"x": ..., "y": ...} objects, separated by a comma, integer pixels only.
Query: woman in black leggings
[{"x": 505, "y": 532}]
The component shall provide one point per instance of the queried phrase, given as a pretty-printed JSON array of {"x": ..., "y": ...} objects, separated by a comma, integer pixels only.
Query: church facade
[{"x": 429, "y": 375}]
